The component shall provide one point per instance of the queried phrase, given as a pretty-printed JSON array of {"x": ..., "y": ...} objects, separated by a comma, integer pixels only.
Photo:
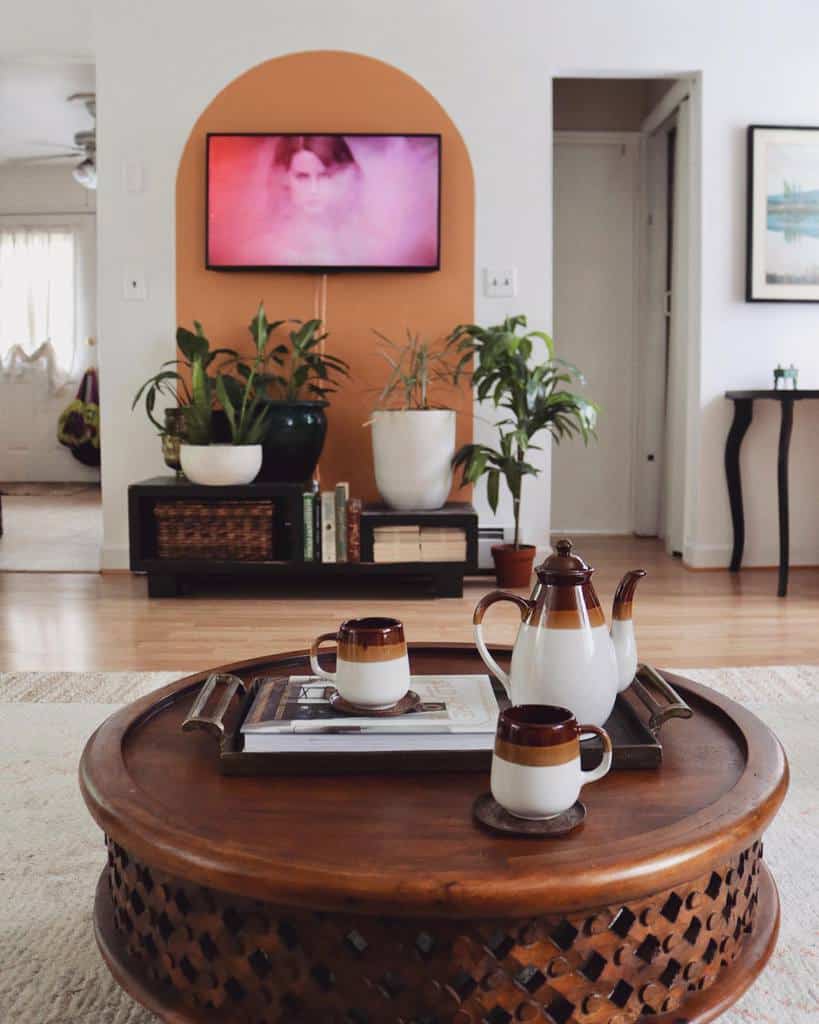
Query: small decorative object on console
[
  {"x": 172, "y": 437},
  {"x": 563, "y": 654},
  {"x": 786, "y": 380}
]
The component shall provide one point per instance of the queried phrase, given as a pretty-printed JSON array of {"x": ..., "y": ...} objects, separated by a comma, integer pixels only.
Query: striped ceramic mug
[
  {"x": 372, "y": 667},
  {"x": 536, "y": 769}
]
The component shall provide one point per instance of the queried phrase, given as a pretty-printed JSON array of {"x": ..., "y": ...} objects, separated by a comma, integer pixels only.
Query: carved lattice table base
[{"x": 262, "y": 964}]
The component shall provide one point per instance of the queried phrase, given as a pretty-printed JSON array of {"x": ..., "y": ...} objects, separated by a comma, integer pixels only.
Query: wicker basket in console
[{"x": 218, "y": 530}]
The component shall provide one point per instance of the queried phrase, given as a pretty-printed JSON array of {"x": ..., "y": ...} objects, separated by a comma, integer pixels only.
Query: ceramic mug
[
  {"x": 372, "y": 667},
  {"x": 536, "y": 769}
]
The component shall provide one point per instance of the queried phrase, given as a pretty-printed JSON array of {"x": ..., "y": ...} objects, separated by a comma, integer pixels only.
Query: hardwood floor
[
  {"x": 683, "y": 618},
  {"x": 51, "y": 531}
]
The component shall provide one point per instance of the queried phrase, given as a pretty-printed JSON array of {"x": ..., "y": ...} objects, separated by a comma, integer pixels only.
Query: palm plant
[{"x": 533, "y": 394}]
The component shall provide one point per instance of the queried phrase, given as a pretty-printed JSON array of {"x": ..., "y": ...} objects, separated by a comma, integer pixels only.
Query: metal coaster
[
  {"x": 489, "y": 812},
  {"x": 409, "y": 702}
]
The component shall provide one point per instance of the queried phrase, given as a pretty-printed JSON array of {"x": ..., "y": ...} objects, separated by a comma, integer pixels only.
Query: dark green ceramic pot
[{"x": 295, "y": 437}]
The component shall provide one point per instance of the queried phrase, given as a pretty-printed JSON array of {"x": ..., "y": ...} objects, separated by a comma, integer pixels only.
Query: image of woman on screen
[{"x": 316, "y": 185}]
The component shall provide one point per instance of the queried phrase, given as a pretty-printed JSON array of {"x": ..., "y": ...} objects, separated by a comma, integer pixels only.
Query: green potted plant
[
  {"x": 532, "y": 392},
  {"x": 203, "y": 458},
  {"x": 295, "y": 378},
  {"x": 413, "y": 439}
]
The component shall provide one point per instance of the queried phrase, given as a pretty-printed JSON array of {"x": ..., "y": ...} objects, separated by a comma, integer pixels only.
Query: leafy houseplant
[
  {"x": 533, "y": 395},
  {"x": 295, "y": 378},
  {"x": 217, "y": 405},
  {"x": 413, "y": 440}
]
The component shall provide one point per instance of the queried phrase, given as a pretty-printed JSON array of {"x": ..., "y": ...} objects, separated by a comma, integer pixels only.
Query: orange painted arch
[{"x": 327, "y": 91}]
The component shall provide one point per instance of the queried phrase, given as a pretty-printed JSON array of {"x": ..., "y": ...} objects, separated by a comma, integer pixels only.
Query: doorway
[
  {"x": 622, "y": 290},
  {"x": 49, "y": 501}
]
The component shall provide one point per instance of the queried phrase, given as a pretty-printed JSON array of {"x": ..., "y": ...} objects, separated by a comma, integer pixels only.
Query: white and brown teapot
[{"x": 563, "y": 653}]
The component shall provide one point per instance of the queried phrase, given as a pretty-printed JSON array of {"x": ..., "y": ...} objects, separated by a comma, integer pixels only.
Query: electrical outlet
[
  {"x": 134, "y": 285},
  {"x": 500, "y": 282}
]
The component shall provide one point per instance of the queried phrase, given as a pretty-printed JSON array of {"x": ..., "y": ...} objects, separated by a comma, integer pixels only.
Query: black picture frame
[
  {"x": 328, "y": 269},
  {"x": 758, "y": 286}
]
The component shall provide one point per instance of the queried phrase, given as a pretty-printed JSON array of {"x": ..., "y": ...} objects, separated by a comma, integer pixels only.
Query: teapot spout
[{"x": 622, "y": 628}]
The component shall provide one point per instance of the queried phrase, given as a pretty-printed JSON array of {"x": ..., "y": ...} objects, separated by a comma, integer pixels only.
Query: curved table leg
[
  {"x": 782, "y": 486},
  {"x": 743, "y": 414}
]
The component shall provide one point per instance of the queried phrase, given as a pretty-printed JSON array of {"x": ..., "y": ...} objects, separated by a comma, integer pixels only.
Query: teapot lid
[{"x": 563, "y": 566}]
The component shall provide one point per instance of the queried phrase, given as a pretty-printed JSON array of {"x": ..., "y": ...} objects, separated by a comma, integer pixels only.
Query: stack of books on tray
[
  {"x": 294, "y": 716},
  {"x": 419, "y": 544},
  {"x": 332, "y": 525}
]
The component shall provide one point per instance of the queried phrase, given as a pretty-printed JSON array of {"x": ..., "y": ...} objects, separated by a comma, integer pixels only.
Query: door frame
[
  {"x": 633, "y": 142},
  {"x": 691, "y": 81},
  {"x": 687, "y": 88}
]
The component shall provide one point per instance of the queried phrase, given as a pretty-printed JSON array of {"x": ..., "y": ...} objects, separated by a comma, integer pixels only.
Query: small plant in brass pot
[{"x": 532, "y": 391}]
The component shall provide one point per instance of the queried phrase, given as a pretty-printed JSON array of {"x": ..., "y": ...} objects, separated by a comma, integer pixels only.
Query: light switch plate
[
  {"x": 500, "y": 282},
  {"x": 134, "y": 285}
]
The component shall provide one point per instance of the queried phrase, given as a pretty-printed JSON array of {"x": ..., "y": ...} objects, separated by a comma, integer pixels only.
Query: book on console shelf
[
  {"x": 342, "y": 497},
  {"x": 419, "y": 544},
  {"x": 334, "y": 525},
  {"x": 294, "y": 715},
  {"x": 328, "y": 526},
  {"x": 309, "y": 549}
]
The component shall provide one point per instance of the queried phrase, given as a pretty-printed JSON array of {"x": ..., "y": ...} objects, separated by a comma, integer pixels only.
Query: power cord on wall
[{"x": 320, "y": 313}]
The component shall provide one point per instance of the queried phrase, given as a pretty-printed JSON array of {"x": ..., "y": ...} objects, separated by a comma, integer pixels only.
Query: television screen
[{"x": 323, "y": 202}]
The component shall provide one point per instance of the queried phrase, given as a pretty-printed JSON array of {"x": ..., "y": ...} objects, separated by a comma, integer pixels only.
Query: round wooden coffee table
[{"x": 371, "y": 899}]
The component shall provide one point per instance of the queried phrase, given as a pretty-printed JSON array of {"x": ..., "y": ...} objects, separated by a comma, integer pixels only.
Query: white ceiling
[{"x": 35, "y": 119}]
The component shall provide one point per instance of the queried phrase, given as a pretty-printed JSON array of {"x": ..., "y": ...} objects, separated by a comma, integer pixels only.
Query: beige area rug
[{"x": 51, "y": 852}]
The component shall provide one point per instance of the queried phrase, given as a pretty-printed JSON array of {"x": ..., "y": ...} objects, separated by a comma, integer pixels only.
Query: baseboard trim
[{"x": 115, "y": 557}]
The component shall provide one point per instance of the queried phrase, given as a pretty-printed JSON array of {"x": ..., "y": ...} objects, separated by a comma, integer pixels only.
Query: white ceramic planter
[
  {"x": 220, "y": 465},
  {"x": 412, "y": 451}
]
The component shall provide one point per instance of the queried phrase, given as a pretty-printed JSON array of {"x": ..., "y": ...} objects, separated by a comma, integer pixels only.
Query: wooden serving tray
[{"x": 634, "y": 727}]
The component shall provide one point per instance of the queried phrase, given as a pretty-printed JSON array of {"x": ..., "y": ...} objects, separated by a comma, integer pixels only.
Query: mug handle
[
  {"x": 492, "y": 597},
  {"x": 316, "y": 669},
  {"x": 594, "y": 774}
]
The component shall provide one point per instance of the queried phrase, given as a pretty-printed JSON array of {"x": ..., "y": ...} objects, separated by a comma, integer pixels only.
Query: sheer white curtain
[{"x": 38, "y": 299}]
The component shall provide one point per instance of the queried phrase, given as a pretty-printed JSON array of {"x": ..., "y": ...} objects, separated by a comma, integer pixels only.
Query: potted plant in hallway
[
  {"x": 296, "y": 377},
  {"x": 532, "y": 393},
  {"x": 414, "y": 441},
  {"x": 204, "y": 459}
]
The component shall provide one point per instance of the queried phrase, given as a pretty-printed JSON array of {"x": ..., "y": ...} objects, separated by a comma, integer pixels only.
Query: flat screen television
[{"x": 323, "y": 202}]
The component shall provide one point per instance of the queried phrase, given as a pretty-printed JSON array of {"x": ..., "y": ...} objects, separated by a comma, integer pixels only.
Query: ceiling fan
[{"x": 85, "y": 146}]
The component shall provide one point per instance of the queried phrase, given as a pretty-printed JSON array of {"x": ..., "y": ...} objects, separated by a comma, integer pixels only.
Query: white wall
[
  {"x": 490, "y": 63},
  {"x": 47, "y": 195}
]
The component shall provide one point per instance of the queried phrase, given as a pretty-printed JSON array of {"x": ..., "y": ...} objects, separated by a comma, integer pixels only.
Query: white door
[{"x": 596, "y": 193}]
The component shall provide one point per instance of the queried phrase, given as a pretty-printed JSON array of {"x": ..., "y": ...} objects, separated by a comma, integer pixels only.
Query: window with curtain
[{"x": 38, "y": 296}]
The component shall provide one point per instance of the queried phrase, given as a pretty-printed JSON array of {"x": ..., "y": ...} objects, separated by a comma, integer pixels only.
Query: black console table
[
  {"x": 743, "y": 414},
  {"x": 166, "y": 575}
]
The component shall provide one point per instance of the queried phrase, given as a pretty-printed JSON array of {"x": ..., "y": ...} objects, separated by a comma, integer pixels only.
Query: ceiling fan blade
[
  {"x": 52, "y": 144},
  {"x": 40, "y": 159}
]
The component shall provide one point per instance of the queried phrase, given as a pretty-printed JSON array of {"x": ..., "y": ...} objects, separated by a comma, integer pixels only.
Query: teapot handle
[{"x": 492, "y": 597}]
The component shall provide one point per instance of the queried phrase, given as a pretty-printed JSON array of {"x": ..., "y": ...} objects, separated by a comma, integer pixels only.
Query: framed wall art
[{"x": 783, "y": 214}]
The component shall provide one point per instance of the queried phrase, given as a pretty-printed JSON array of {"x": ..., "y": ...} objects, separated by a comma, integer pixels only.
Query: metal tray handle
[
  {"x": 675, "y": 706},
  {"x": 213, "y": 723}
]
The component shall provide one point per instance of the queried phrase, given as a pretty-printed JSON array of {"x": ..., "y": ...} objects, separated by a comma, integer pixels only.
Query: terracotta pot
[{"x": 513, "y": 566}]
